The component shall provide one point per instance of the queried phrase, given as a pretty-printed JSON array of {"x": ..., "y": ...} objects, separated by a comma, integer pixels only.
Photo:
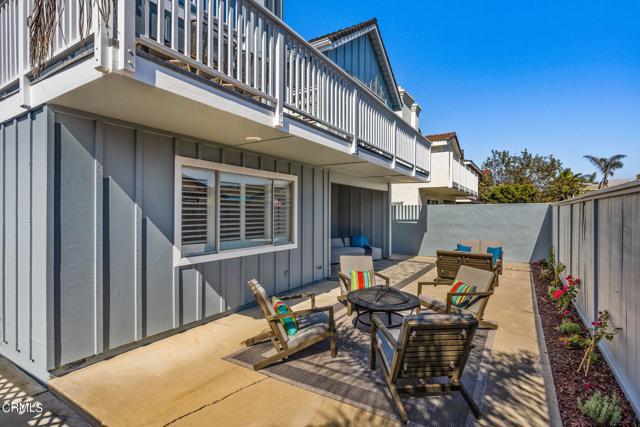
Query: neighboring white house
[
  {"x": 151, "y": 168},
  {"x": 454, "y": 179}
]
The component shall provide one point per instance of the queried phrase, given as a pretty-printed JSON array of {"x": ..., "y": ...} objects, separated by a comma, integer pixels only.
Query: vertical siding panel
[
  {"x": 3, "y": 237},
  {"x": 10, "y": 217},
  {"x": 213, "y": 288},
  {"x": 157, "y": 201},
  {"x": 76, "y": 275},
  {"x": 23, "y": 236},
  {"x": 39, "y": 235},
  {"x": 251, "y": 271},
  {"x": 318, "y": 225},
  {"x": 295, "y": 258},
  {"x": 119, "y": 241},
  {"x": 139, "y": 274},
  {"x": 232, "y": 273},
  {"x": 188, "y": 295}
]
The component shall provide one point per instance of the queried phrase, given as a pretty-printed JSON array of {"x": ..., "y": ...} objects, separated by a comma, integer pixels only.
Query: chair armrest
[
  {"x": 378, "y": 324},
  {"x": 302, "y": 296},
  {"x": 463, "y": 294},
  {"x": 306, "y": 312},
  {"x": 382, "y": 276},
  {"x": 345, "y": 281},
  {"x": 498, "y": 268}
]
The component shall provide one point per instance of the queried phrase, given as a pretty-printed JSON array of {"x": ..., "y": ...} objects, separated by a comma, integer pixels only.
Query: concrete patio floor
[{"x": 183, "y": 381}]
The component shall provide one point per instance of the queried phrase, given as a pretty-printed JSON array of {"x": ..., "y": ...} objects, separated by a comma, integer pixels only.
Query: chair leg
[
  {"x": 399, "y": 406},
  {"x": 372, "y": 356},
  {"x": 332, "y": 345},
  {"x": 261, "y": 337},
  {"x": 485, "y": 324},
  {"x": 470, "y": 402},
  {"x": 349, "y": 309},
  {"x": 269, "y": 361}
]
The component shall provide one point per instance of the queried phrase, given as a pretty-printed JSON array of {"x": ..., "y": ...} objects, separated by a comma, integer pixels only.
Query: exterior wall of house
[
  {"x": 363, "y": 211},
  {"x": 114, "y": 222},
  {"x": 23, "y": 215},
  {"x": 359, "y": 59}
]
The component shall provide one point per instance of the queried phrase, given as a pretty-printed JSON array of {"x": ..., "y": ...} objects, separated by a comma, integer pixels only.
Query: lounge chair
[
  {"x": 448, "y": 262},
  {"x": 315, "y": 324},
  {"x": 349, "y": 263},
  {"x": 427, "y": 346},
  {"x": 483, "y": 281},
  {"x": 481, "y": 246}
]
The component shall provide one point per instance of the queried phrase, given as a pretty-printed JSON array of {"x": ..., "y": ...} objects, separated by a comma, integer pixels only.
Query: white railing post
[
  {"x": 23, "y": 55},
  {"x": 394, "y": 143},
  {"x": 355, "y": 119},
  {"x": 278, "y": 115},
  {"x": 415, "y": 153},
  {"x": 127, "y": 35},
  {"x": 100, "y": 39}
]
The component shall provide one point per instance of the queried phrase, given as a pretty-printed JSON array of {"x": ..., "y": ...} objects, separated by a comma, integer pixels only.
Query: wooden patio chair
[
  {"x": 314, "y": 325},
  {"x": 449, "y": 262},
  {"x": 484, "y": 282},
  {"x": 481, "y": 246},
  {"x": 349, "y": 263},
  {"x": 427, "y": 346}
]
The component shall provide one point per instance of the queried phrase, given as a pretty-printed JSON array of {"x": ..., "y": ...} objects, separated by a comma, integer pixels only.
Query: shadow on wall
[{"x": 524, "y": 229}]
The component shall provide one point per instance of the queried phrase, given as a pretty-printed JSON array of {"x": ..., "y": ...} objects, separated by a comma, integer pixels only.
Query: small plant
[
  {"x": 568, "y": 327},
  {"x": 604, "y": 411},
  {"x": 563, "y": 296},
  {"x": 599, "y": 329},
  {"x": 574, "y": 342}
]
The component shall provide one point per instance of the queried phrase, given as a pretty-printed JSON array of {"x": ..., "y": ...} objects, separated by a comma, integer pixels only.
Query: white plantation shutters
[
  {"x": 245, "y": 211},
  {"x": 198, "y": 210},
  {"x": 282, "y": 211},
  {"x": 223, "y": 211}
]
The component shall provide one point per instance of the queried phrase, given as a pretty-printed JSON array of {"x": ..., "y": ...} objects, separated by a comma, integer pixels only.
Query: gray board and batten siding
[
  {"x": 23, "y": 252},
  {"x": 597, "y": 237},
  {"x": 102, "y": 192},
  {"x": 360, "y": 211}
]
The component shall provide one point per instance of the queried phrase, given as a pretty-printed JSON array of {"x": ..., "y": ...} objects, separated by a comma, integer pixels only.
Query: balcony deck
[{"x": 236, "y": 65}]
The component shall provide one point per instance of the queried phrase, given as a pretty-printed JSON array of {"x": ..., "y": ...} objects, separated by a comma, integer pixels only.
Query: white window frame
[{"x": 178, "y": 258}]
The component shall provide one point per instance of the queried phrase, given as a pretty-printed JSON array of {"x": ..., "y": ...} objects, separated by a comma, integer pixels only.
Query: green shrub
[
  {"x": 574, "y": 342},
  {"x": 567, "y": 327},
  {"x": 604, "y": 411}
]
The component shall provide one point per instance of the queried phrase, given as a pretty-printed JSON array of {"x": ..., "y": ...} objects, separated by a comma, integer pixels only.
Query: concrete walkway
[{"x": 183, "y": 381}]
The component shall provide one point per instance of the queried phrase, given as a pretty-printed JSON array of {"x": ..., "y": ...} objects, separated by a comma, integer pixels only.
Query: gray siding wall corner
[
  {"x": 87, "y": 249},
  {"x": 23, "y": 259}
]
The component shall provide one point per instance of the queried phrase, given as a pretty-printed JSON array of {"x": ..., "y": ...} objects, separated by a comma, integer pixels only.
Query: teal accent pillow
[
  {"x": 290, "y": 324},
  {"x": 359, "y": 241},
  {"x": 496, "y": 252},
  {"x": 463, "y": 248}
]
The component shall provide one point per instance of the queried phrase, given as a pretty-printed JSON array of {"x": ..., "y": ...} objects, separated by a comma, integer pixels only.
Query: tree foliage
[
  {"x": 528, "y": 178},
  {"x": 606, "y": 166}
]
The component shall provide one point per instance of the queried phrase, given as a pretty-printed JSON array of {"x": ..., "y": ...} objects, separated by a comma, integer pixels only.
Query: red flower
[
  {"x": 577, "y": 281},
  {"x": 565, "y": 312},
  {"x": 565, "y": 288},
  {"x": 557, "y": 294},
  {"x": 587, "y": 386},
  {"x": 569, "y": 277}
]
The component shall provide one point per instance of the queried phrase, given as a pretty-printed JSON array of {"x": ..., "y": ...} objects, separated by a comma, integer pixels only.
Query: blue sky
[{"x": 556, "y": 77}]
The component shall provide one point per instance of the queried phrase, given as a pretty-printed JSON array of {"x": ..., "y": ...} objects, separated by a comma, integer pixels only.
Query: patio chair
[
  {"x": 481, "y": 246},
  {"x": 483, "y": 281},
  {"x": 349, "y": 263},
  {"x": 426, "y": 347},
  {"x": 314, "y": 325},
  {"x": 449, "y": 262}
]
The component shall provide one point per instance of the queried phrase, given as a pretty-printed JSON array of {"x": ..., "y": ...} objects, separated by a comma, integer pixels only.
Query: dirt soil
[{"x": 569, "y": 384}]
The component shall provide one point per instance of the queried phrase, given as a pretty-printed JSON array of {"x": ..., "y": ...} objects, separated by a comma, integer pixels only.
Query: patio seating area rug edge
[{"x": 349, "y": 379}]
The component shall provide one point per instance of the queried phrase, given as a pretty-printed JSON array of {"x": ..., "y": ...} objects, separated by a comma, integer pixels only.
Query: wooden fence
[{"x": 597, "y": 237}]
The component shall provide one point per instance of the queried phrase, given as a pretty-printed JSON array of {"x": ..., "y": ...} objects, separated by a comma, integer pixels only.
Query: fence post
[
  {"x": 127, "y": 35},
  {"x": 596, "y": 259},
  {"x": 278, "y": 116},
  {"x": 23, "y": 55}
]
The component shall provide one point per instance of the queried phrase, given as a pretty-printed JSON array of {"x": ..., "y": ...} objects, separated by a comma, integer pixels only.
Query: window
[{"x": 225, "y": 211}]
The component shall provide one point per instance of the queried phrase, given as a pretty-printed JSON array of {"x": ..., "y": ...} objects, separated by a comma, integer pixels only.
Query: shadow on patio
[{"x": 184, "y": 381}]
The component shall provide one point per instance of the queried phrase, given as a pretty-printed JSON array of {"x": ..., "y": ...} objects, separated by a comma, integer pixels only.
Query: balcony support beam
[
  {"x": 355, "y": 116},
  {"x": 126, "y": 59},
  {"x": 23, "y": 33},
  {"x": 280, "y": 93}
]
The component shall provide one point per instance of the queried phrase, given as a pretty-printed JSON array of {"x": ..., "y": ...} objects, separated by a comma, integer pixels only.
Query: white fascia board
[
  {"x": 353, "y": 181},
  {"x": 171, "y": 81}
]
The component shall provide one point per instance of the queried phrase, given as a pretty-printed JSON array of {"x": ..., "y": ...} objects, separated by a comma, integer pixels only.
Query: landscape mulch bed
[{"x": 569, "y": 384}]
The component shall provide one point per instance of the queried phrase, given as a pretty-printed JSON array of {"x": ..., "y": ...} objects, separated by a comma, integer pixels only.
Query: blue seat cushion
[
  {"x": 495, "y": 252},
  {"x": 463, "y": 248}
]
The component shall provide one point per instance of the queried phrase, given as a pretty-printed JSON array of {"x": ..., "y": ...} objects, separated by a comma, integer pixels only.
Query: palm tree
[
  {"x": 569, "y": 184},
  {"x": 606, "y": 166}
]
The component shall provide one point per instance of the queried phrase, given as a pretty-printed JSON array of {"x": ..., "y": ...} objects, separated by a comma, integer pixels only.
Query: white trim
[{"x": 178, "y": 259}]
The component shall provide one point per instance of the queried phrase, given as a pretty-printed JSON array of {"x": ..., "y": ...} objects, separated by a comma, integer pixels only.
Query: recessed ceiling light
[{"x": 253, "y": 139}]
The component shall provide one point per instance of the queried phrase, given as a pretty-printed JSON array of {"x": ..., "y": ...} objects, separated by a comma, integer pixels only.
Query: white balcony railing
[
  {"x": 236, "y": 43},
  {"x": 463, "y": 178}
]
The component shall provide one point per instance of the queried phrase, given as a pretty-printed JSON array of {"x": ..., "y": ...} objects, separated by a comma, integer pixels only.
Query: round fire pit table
[{"x": 381, "y": 299}]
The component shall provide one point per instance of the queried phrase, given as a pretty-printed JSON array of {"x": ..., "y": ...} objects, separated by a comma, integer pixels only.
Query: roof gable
[{"x": 348, "y": 48}]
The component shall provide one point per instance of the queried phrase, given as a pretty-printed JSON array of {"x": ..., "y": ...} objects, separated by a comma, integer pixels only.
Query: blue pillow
[
  {"x": 359, "y": 241},
  {"x": 496, "y": 252},
  {"x": 463, "y": 248}
]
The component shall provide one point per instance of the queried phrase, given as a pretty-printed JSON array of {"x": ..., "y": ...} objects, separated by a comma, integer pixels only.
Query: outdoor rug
[{"x": 348, "y": 378}]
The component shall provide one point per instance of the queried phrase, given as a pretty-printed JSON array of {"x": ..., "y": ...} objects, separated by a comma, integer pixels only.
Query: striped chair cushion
[
  {"x": 290, "y": 324},
  {"x": 362, "y": 279},
  {"x": 459, "y": 288}
]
